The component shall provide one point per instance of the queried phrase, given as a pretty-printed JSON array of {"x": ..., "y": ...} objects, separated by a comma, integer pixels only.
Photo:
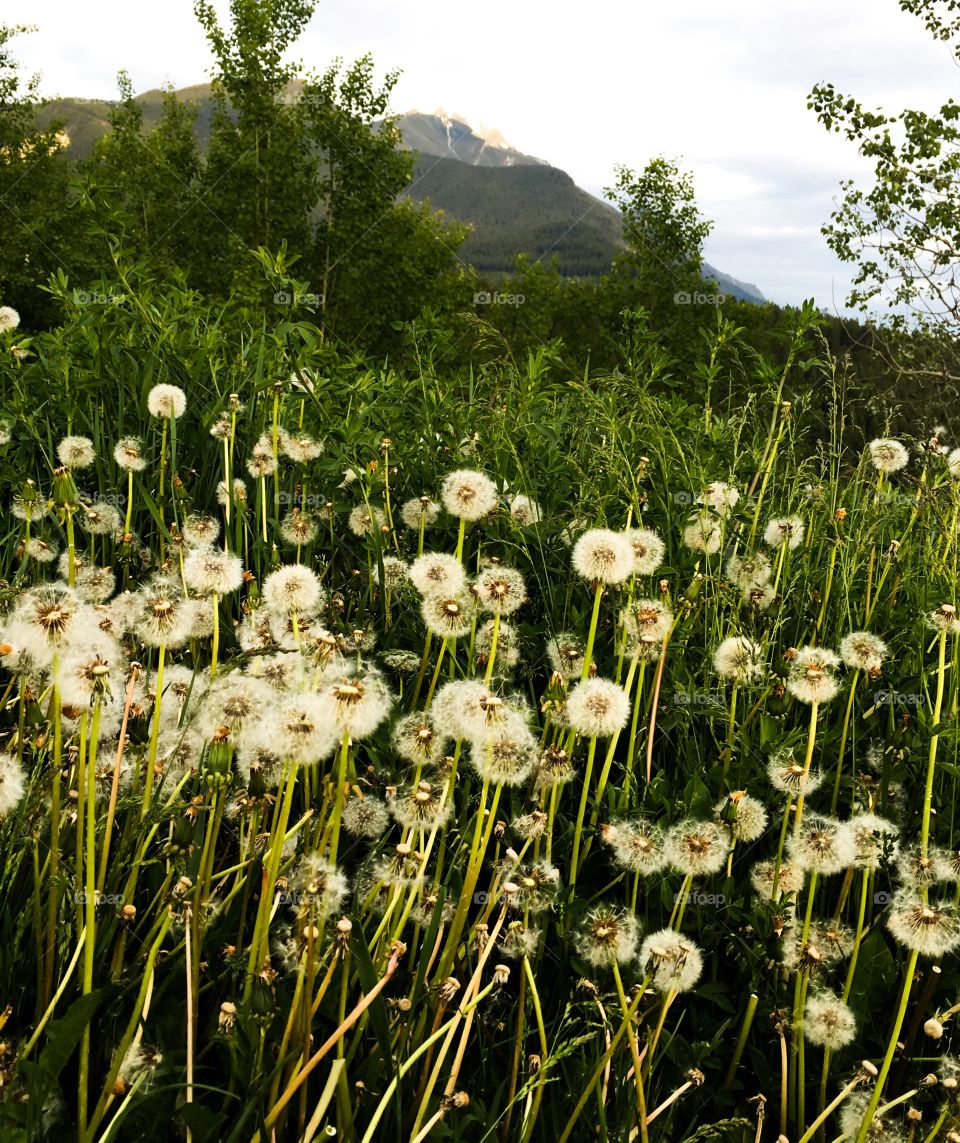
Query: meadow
[{"x": 405, "y": 754}]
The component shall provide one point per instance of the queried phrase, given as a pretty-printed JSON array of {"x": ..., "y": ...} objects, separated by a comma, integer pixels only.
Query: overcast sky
[{"x": 721, "y": 86}]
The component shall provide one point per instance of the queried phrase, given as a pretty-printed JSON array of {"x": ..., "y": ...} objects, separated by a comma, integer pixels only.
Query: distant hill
[{"x": 515, "y": 203}]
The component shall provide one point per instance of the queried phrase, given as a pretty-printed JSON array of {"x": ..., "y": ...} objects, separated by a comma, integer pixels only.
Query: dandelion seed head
[
  {"x": 128, "y": 453},
  {"x": 293, "y": 588},
  {"x": 9, "y": 319},
  {"x": 420, "y": 509},
  {"x": 603, "y": 556},
  {"x": 13, "y": 783},
  {"x": 417, "y": 740},
  {"x": 764, "y": 873},
  {"x": 703, "y": 533},
  {"x": 608, "y": 936},
  {"x": 437, "y": 572},
  {"x": 468, "y": 495},
  {"x": 210, "y": 572},
  {"x": 506, "y": 755},
  {"x": 874, "y": 837},
  {"x": 597, "y": 708},
  {"x": 525, "y": 511},
  {"x": 828, "y": 1022},
  {"x": 887, "y": 456},
  {"x": 785, "y": 531},
  {"x": 566, "y": 654},
  {"x": 823, "y": 845},
  {"x": 647, "y": 619},
  {"x": 365, "y": 817},
  {"x": 99, "y": 519},
  {"x": 931, "y": 928},
  {"x": 695, "y": 847},
  {"x": 863, "y": 651},
  {"x": 76, "y": 452},
  {"x": 637, "y": 845},
  {"x": 745, "y": 816},
  {"x": 811, "y": 679},
  {"x": 364, "y": 520},
  {"x": 673, "y": 961},
  {"x": 356, "y": 703},
  {"x": 423, "y": 807},
  {"x": 166, "y": 401},
  {"x": 450, "y": 616},
  {"x": 301, "y": 447}
]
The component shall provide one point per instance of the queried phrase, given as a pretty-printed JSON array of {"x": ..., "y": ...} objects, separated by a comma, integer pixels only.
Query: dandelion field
[{"x": 404, "y": 755}]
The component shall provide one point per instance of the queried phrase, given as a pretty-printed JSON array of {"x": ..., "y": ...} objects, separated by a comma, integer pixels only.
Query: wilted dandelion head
[
  {"x": 99, "y": 519},
  {"x": 525, "y": 511},
  {"x": 785, "y": 530},
  {"x": 887, "y": 455},
  {"x": 703, "y": 533},
  {"x": 260, "y": 463},
  {"x": 40, "y": 551},
  {"x": 319, "y": 886},
  {"x": 420, "y": 510},
  {"x": 438, "y": 572},
  {"x": 211, "y": 572},
  {"x": 76, "y": 452},
  {"x": 200, "y": 530},
  {"x": 422, "y": 807},
  {"x": 301, "y": 447},
  {"x": 719, "y": 497},
  {"x": 697, "y": 848},
  {"x": 499, "y": 589},
  {"x": 553, "y": 768},
  {"x": 468, "y": 494},
  {"x": 944, "y": 619},
  {"x": 811, "y": 678},
  {"x": 931, "y": 928},
  {"x": 508, "y": 653},
  {"x": 608, "y": 936},
  {"x": 744, "y": 816},
  {"x": 749, "y": 571},
  {"x": 788, "y": 776},
  {"x": 637, "y": 845},
  {"x": 128, "y": 454},
  {"x": 364, "y": 519},
  {"x": 764, "y": 874},
  {"x": 565, "y": 652},
  {"x": 12, "y": 783},
  {"x": 603, "y": 556},
  {"x": 417, "y": 740},
  {"x": 293, "y": 587},
  {"x": 166, "y": 401},
  {"x": 672, "y": 961},
  {"x": 875, "y": 839},
  {"x": 647, "y": 619},
  {"x": 862, "y": 651},
  {"x": 394, "y": 573},
  {"x": 449, "y": 616},
  {"x": 823, "y": 845},
  {"x": 738, "y": 658},
  {"x": 597, "y": 708},
  {"x": 648, "y": 550},
  {"x": 828, "y": 1022}
]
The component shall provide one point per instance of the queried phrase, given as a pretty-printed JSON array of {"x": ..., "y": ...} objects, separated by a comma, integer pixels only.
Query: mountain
[{"x": 514, "y": 202}]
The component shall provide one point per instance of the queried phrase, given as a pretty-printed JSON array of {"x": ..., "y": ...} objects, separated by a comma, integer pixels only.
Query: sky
[{"x": 720, "y": 86}]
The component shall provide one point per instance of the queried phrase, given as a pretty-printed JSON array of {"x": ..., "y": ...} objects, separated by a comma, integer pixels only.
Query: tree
[
  {"x": 34, "y": 192},
  {"x": 902, "y": 233}
]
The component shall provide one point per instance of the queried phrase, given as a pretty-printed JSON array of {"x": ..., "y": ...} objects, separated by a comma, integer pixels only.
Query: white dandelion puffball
[
  {"x": 602, "y": 556},
  {"x": 128, "y": 453},
  {"x": 953, "y": 462},
  {"x": 697, "y": 847},
  {"x": 648, "y": 550},
  {"x": 292, "y": 588},
  {"x": 720, "y": 497},
  {"x": 438, "y": 572},
  {"x": 9, "y": 319},
  {"x": 210, "y": 572},
  {"x": 166, "y": 401},
  {"x": 672, "y": 960},
  {"x": 597, "y": 708},
  {"x": 468, "y": 494},
  {"x": 785, "y": 530},
  {"x": 862, "y": 651},
  {"x": 525, "y": 511},
  {"x": 811, "y": 679},
  {"x": 828, "y": 1022},
  {"x": 76, "y": 452},
  {"x": 703, "y": 534},
  {"x": 887, "y": 456},
  {"x": 932, "y": 929},
  {"x": 738, "y": 658},
  {"x": 420, "y": 509}
]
